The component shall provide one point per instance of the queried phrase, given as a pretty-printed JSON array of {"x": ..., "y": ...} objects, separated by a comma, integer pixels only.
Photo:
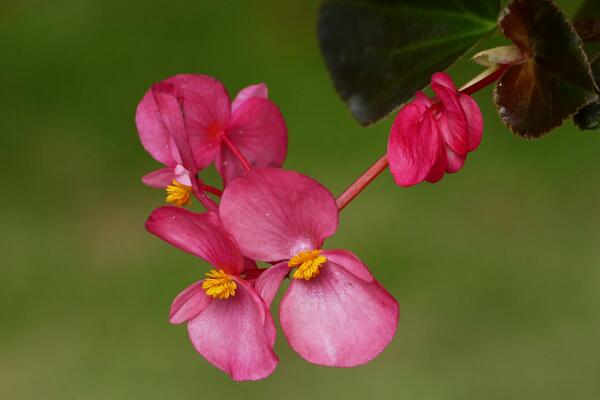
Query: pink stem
[
  {"x": 377, "y": 168},
  {"x": 362, "y": 182},
  {"x": 236, "y": 152},
  {"x": 213, "y": 190},
  {"x": 488, "y": 80},
  {"x": 206, "y": 201}
]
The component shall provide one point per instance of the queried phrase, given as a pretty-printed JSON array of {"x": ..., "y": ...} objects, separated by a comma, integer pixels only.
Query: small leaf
[
  {"x": 554, "y": 82},
  {"x": 380, "y": 52},
  {"x": 588, "y": 118}
]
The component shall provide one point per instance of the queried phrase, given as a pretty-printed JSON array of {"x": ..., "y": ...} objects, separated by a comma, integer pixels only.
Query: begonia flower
[
  {"x": 431, "y": 137},
  {"x": 334, "y": 312},
  {"x": 251, "y": 128},
  {"x": 228, "y": 322}
]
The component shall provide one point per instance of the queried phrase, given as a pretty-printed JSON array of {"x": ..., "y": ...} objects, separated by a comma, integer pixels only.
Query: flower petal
[
  {"x": 443, "y": 80},
  {"x": 260, "y": 90},
  {"x": 207, "y": 112},
  {"x": 198, "y": 234},
  {"x": 338, "y": 319},
  {"x": 259, "y": 132},
  {"x": 414, "y": 145},
  {"x": 269, "y": 281},
  {"x": 350, "y": 262},
  {"x": 159, "y": 179},
  {"x": 236, "y": 335},
  {"x": 421, "y": 101},
  {"x": 169, "y": 103},
  {"x": 452, "y": 121},
  {"x": 189, "y": 303},
  {"x": 441, "y": 164},
  {"x": 454, "y": 161},
  {"x": 474, "y": 120},
  {"x": 153, "y": 134},
  {"x": 275, "y": 214}
]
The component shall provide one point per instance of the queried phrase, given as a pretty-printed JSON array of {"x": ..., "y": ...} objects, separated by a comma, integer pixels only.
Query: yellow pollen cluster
[
  {"x": 309, "y": 264},
  {"x": 219, "y": 285},
  {"x": 179, "y": 194}
]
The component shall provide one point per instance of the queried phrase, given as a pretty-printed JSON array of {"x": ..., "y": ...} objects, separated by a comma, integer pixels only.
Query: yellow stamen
[
  {"x": 179, "y": 194},
  {"x": 309, "y": 264},
  {"x": 219, "y": 285}
]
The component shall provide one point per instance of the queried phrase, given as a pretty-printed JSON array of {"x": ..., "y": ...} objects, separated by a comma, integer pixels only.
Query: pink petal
[
  {"x": 198, "y": 234},
  {"x": 451, "y": 121},
  {"x": 474, "y": 120},
  {"x": 259, "y": 90},
  {"x": 249, "y": 265},
  {"x": 338, "y": 319},
  {"x": 159, "y": 179},
  {"x": 207, "y": 112},
  {"x": 189, "y": 303},
  {"x": 350, "y": 262},
  {"x": 274, "y": 214},
  {"x": 421, "y": 101},
  {"x": 153, "y": 134},
  {"x": 439, "y": 167},
  {"x": 184, "y": 176},
  {"x": 413, "y": 146},
  {"x": 454, "y": 161},
  {"x": 236, "y": 335},
  {"x": 441, "y": 79},
  {"x": 268, "y": 282},
  {"x": 259, "y": 132},
  {"x": 169, "y": 102}
]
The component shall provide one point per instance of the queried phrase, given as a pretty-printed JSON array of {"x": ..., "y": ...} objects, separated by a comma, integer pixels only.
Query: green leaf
[
  {"x": 380, "y": 52},
  {"x": 588, "y": 118},
  {"x": 554, "y": 82}
]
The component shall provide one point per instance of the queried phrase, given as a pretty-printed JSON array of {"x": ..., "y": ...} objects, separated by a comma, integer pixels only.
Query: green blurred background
[{"x": 497, "y": 268}]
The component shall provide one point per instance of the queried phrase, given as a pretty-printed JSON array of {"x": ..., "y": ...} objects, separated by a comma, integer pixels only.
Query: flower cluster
[{"x": 334, "y": 312}]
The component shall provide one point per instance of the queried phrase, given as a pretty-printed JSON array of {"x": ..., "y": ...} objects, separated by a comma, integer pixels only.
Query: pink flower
[
  {"x": 334, "y": 312},
  {"x": 214, "y": 129},
  {"x": 228, "y": 323},
  {"x": 431, "y": 137}
]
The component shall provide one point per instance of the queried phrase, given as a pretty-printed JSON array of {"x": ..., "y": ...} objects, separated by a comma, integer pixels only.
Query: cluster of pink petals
[
  {"x": 186, "y": 121},
  {"x": 343, "y": 317},
  {"x": 237, "y": 334},
  {"x": 431, "y": 137},
  {"x": 334, "y": 312}
]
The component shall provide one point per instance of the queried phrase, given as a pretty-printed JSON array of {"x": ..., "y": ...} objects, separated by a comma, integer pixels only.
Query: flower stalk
[{"x": 236, "y": 152}]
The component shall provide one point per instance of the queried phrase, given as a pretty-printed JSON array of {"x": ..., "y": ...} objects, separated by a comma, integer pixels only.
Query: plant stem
[
  {"x": 206, "y": 201},
  {"x": 377, "y": 168},
  {"x": 213, "y": 190},
  {"x": 362, "y": 182},
  {"x": 488, "y": 80},
  {"x": 236, "y": 152}
]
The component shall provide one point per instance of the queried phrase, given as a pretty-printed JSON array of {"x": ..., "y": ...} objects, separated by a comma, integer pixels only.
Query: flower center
[
  {"x": 309, "y": 264},
  {"x": 219, "y": 285},
  {"x": 179, "y": 194}
]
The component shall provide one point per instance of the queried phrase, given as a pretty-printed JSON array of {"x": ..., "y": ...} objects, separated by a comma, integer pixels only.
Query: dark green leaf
[
  {"x": 554, "y": 82},
  {"x": 588, "y": 118},
  {"x": 380, "y": 52}
]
